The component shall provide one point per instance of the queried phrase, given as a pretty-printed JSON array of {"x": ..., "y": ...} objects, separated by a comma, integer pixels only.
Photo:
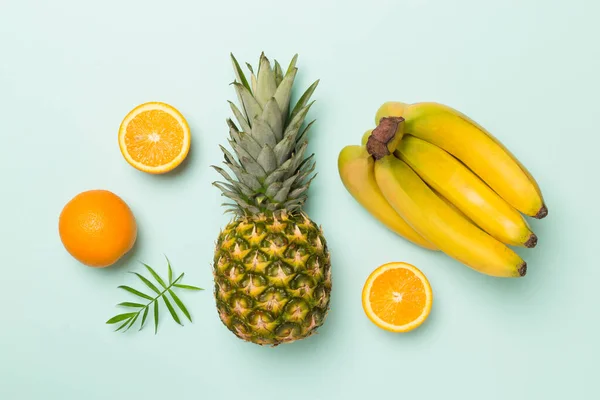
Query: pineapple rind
[{"x": 275, "y": 290}]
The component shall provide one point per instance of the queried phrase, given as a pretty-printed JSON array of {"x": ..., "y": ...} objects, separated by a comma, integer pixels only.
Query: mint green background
[{"x": 69, "y": 72}]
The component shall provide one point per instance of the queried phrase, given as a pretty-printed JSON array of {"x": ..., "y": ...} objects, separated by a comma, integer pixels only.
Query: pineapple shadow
[{"x": 309, "y": 347}]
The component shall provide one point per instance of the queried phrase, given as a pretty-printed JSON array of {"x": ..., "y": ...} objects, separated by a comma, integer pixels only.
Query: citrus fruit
[
  {"x": 97, "y": 228},
  {"x": 397, "y": 297},
  {"x": 154, "y": 137}
]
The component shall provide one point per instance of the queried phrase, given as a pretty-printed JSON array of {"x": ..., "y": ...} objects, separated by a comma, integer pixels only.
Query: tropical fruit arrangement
[
  {"x": 98, "y": 228},
  {"x": 426, "y": 172},
  {"x": 440, "y": 180}
]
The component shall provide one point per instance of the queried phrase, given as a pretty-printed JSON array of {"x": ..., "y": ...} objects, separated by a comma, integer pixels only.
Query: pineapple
[{"x": 271, "y": 267}]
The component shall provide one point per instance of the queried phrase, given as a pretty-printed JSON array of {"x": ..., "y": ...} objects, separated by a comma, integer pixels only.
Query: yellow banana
[
  {"x": 356, "y": 171},
  {"x": 364, "y": 140},
  {"x": 452, "y": 206},
  {"x": 441, "y": 224},
  {"x": 475, "y": 147},
  {"x": 466, "y": 191},
  {"x": 365, "y": 137}
]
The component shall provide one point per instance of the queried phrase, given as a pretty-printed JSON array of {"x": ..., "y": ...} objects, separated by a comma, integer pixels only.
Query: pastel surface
[{"x": 71, "y": 70}]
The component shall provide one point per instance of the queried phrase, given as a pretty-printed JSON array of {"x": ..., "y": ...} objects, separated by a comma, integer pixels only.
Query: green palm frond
[{"x": 161, "y": 291}]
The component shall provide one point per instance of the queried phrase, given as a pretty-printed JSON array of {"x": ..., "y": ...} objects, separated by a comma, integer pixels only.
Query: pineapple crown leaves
[
  {"x": 164, "y": 287},
  {"x": 268, "y": 141}
]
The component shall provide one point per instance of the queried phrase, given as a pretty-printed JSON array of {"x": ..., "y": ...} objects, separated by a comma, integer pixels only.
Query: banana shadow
[{"x": 541, "y": 265}]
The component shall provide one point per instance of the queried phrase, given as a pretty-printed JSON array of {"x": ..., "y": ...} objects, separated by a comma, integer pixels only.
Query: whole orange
[{"x": 97, "y": 228}]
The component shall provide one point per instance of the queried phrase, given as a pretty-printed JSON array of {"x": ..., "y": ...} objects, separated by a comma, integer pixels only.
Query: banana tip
[
  {"x": 542, "y": 213},
  {"x": 523, "y": 269},
  {"x": 531, "y": 242}
]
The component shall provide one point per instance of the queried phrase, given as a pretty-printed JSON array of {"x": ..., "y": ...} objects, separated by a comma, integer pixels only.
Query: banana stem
[{"x": 385, "y": 138}]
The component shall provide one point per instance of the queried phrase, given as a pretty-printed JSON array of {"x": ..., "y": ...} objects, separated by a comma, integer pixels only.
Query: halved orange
[
  {"x": 154, "y": 137},
  {"x": 397, "y": 297}
]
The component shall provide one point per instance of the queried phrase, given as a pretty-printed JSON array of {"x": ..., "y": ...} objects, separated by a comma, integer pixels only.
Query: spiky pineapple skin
[{"x": 272, "y": 278}]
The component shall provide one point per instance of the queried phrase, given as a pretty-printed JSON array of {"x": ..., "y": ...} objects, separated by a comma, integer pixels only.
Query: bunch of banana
[{"x": 440, "y": 180}]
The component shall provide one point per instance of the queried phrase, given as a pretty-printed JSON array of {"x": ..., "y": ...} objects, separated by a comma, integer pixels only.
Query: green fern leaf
[{"x": 129, "y": 319}]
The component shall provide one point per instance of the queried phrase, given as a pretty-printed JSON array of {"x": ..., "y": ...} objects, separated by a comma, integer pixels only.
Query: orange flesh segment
[
  {"x": 154, "y": 138},
  {"x": 398, "y": 297}
]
